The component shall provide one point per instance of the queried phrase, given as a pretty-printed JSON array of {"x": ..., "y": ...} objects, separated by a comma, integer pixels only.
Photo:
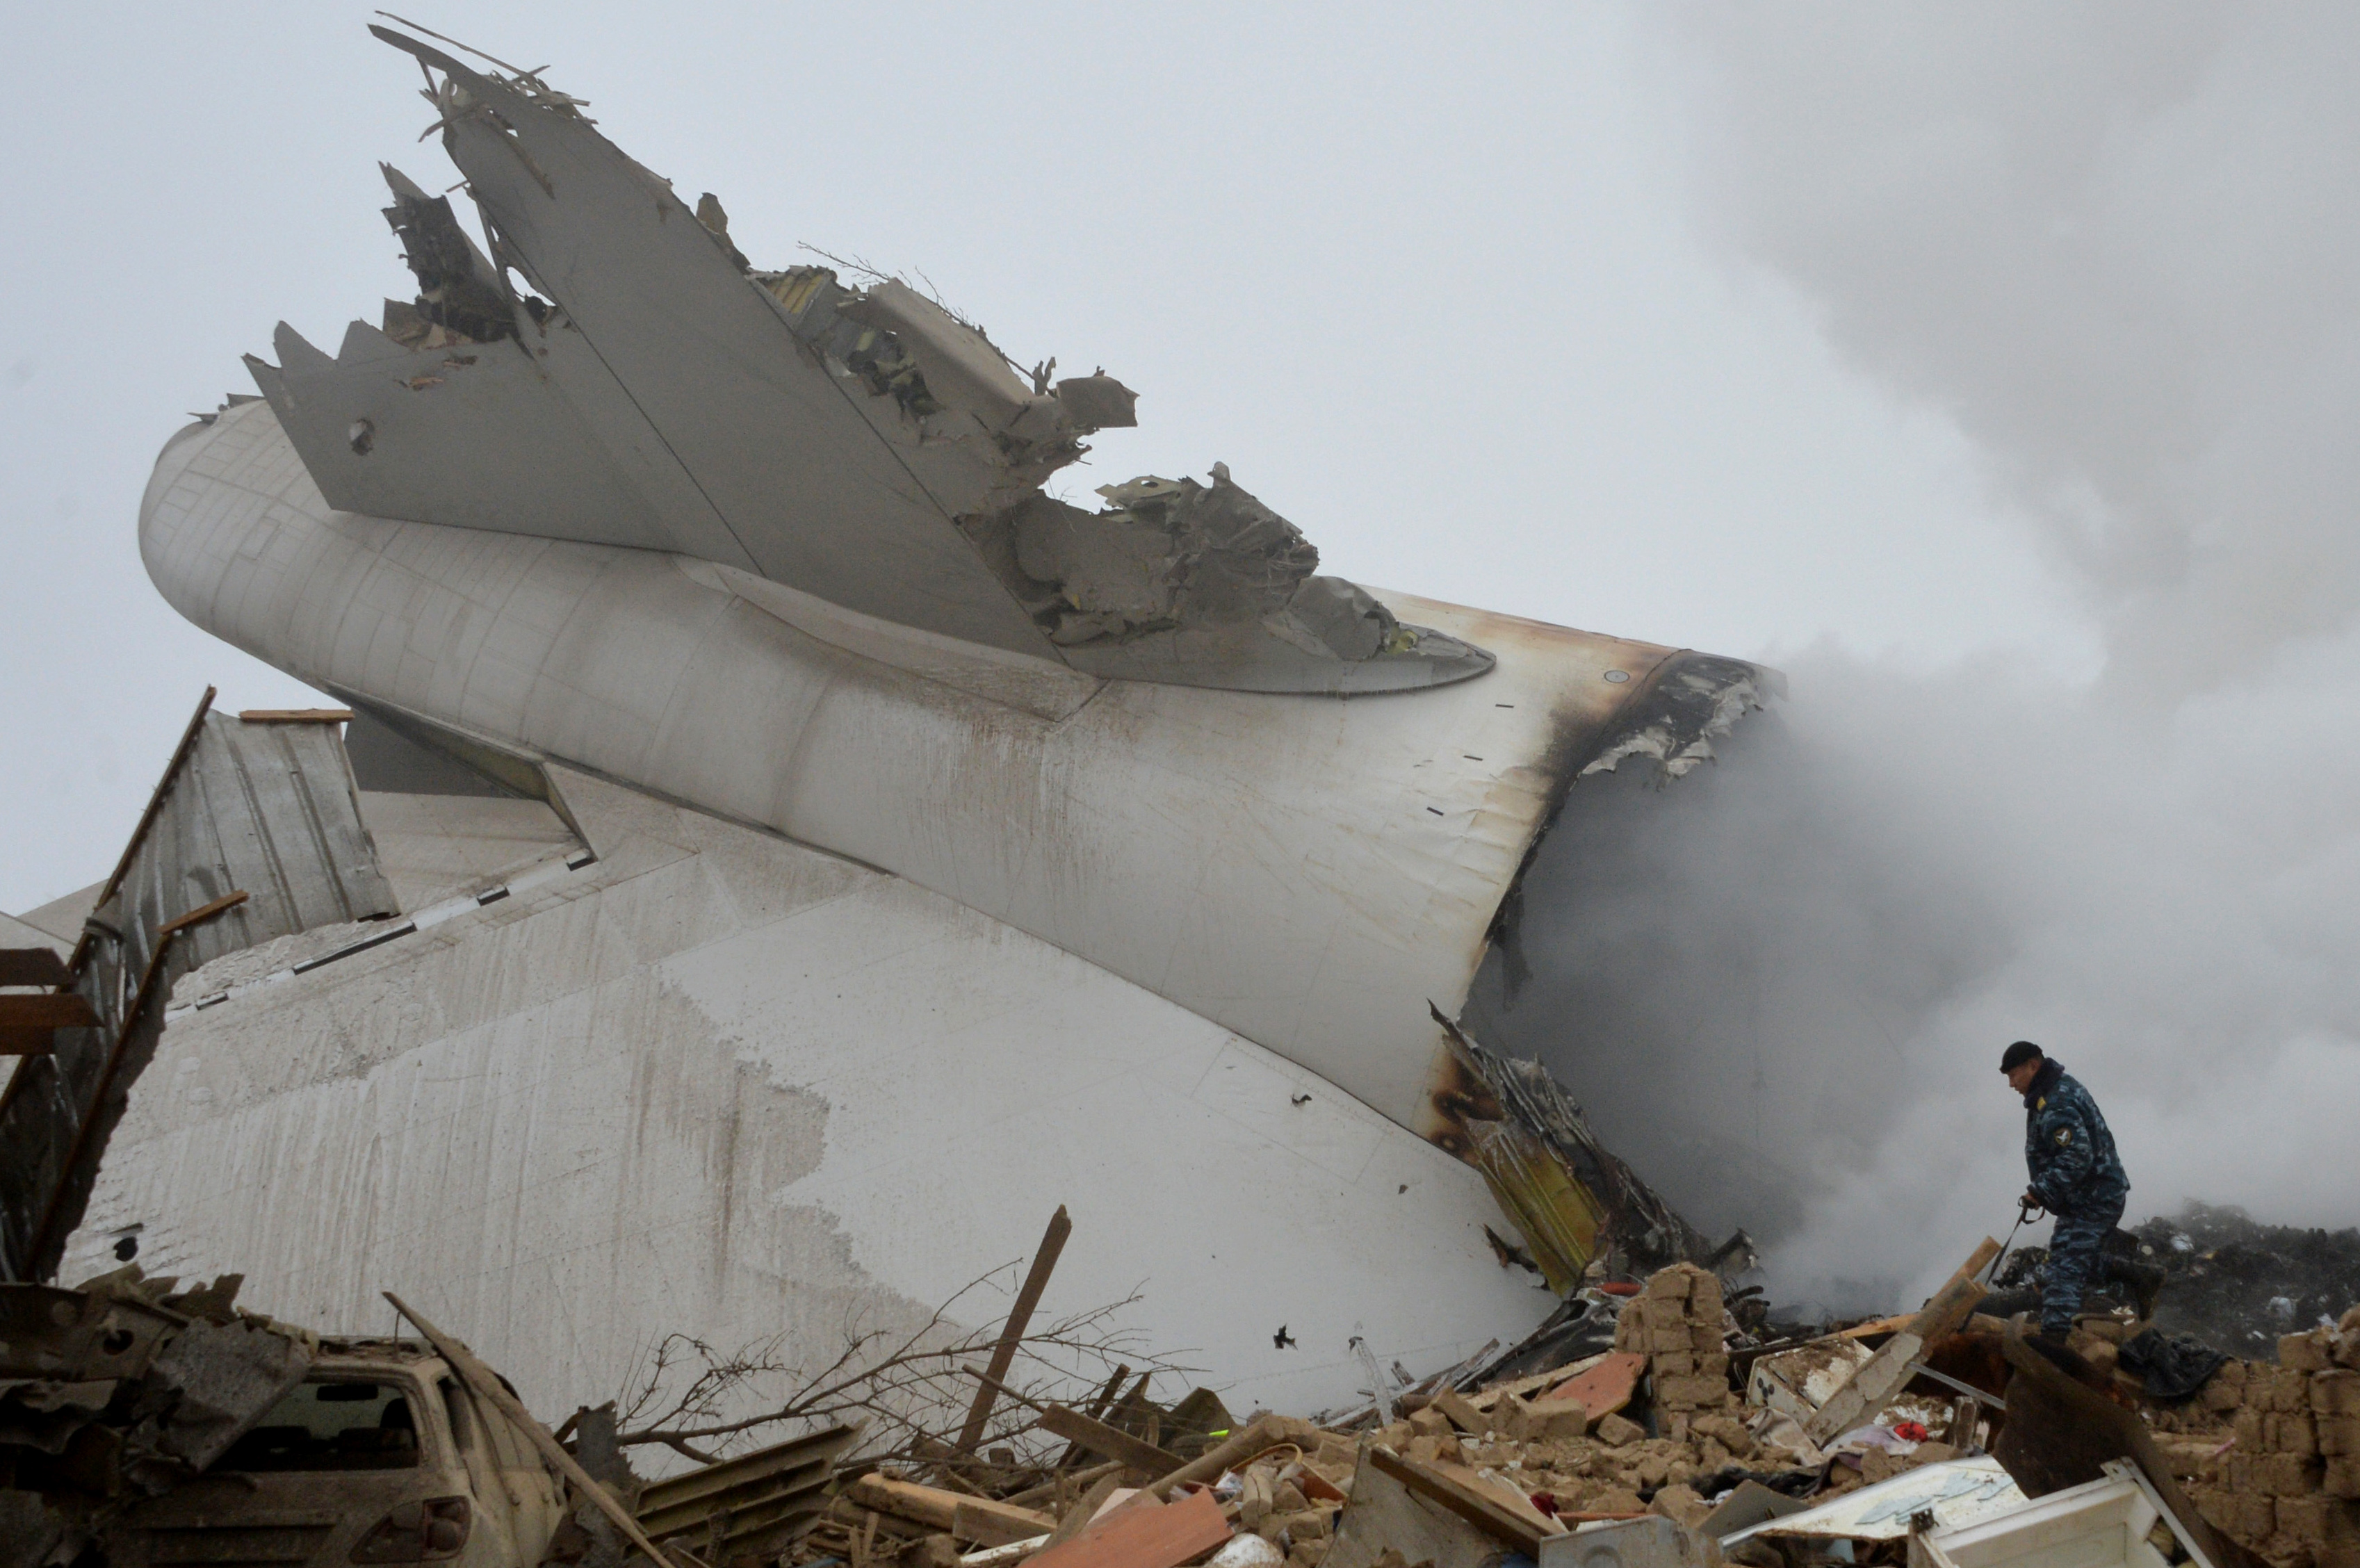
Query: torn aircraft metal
[
  {"x": 881, "y": 803},
  {"x": 1570, "y": 1197},
  {"x": 860, "y": 445}
]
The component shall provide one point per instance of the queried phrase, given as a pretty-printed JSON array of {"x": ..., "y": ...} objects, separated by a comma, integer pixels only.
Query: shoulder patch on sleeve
[{"x": 2064, "y": 1137}]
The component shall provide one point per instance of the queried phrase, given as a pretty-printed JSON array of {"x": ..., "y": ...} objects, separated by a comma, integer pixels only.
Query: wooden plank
[
  {"x": 1893, "y": 1324},
  {"x": 1875, "y": 1383},
  {"x": 1497, "y": 1489},
  {"x": 27, "y": 1041},
  {"x": 296, "y": 715},
  {"x": 44, "y": 1010},
  {"x": 1208, "y": 1465},
  {"x": 1111, "y": 1441},
  {"x": 1098, "y": 1408},
  {"x": 1490, "y": 1397},
  {"x": 478, "y": 1378},
  {"x": 1019, "y": 1318},
  {"x": 1604, "y": 1389},
  {"x": 31, "y": 966},
  {"x": 1479, "y": 1506},
  {"x": 978, "y": 1520},
  {"x": 203, "y": 912},
  {"x": 1140, "y": 1537}
]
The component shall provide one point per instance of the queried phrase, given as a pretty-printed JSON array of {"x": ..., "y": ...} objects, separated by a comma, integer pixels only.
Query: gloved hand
[{"x": 2030, "y": 1205}]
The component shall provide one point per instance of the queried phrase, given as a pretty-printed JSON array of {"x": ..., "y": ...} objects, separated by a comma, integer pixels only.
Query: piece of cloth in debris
[
  {"x": 1728, "y": 1477},
  {"x": 2173, "y": 1367}
]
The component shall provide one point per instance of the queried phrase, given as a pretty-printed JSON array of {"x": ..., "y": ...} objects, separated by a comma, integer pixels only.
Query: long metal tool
[{"x": 2022, "y": 1214}]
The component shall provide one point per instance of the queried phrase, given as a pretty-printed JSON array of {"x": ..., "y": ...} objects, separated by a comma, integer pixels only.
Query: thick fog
[{"x": 2114, "y": 245}]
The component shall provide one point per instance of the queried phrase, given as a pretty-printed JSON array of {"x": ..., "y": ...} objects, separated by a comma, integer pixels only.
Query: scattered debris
[
  {"x": 1571, "y": 1199},
  {"x": 1653, "y": 1419},
  {"x": 1943, "y": 1437},
  {"x": 2232, "y": 1281}
]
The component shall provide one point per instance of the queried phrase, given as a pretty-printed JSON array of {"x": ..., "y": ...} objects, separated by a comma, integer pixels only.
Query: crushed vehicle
[{"x": 167, "y": 1427}]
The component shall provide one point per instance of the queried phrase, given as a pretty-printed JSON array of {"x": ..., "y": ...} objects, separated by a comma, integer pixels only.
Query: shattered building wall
[{"x": 254, "y": 833}]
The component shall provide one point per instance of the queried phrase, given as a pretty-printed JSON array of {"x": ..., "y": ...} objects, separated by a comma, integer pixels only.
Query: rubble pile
[
  {"x": 1692, "y": 1439},
  {"x": 129, "y": 1386},
  {"x": 1693, "y": 1426},
  {"x": 2240, "y": 1284},
  {"x": 1653, "y": 1432},
  {"x": 1678, "y": 1324}
]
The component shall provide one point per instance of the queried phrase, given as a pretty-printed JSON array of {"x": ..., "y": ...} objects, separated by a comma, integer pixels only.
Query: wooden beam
[
  {"x": 1111, "y": 1441},
  {"x": 1134, "y": 1535},
  {"x": 1487, "y": 1513},
  {"x": 1019, "y": 1318},
  {"x": 44, "y": 1010},
  {"x": 203, "y": 912},
  {"x": 27, "y": 1041},
  {"x": 31, "y": 966},
  {"x": 1883, "y": 1374},
  {"x": 1979, "y": 1260},
  {"x": 979, "y": 1519},
  {"x": 1208, "y": 1465},
  {"x": 478, "y": 1378},
  {"x": 1098, "y": 1408},
  {"x": 1869, "y": 1330}
]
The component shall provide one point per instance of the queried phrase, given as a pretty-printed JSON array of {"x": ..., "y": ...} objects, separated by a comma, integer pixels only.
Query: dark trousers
[{"x": 2073, "y": 1261}]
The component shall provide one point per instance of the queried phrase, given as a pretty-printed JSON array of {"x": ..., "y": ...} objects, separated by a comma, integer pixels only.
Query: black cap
[{"x": 2017, "y": 1055}]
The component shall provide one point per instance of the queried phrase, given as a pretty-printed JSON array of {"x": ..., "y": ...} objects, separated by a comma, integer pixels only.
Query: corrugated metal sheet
[
  {"x": 266, "y": 809},
  {"x": 254, "y": 832},
  {"x": 759, "y": 1501},
  {"x": 1567, "y": 1194}
]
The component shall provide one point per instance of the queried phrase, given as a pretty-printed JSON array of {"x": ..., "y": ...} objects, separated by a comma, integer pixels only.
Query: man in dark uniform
[{"x": 2076, "y": 1176}]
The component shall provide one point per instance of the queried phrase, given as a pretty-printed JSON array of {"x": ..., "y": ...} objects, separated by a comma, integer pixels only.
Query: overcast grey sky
[{"x": 1989, "y": 367}]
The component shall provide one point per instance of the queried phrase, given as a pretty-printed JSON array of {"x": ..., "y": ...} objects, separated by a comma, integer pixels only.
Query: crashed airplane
[{"x": 785, "y": 852}]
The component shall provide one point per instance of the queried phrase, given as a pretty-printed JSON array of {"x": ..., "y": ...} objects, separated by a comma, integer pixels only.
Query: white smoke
[{"x": 2115, "y": 245}]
